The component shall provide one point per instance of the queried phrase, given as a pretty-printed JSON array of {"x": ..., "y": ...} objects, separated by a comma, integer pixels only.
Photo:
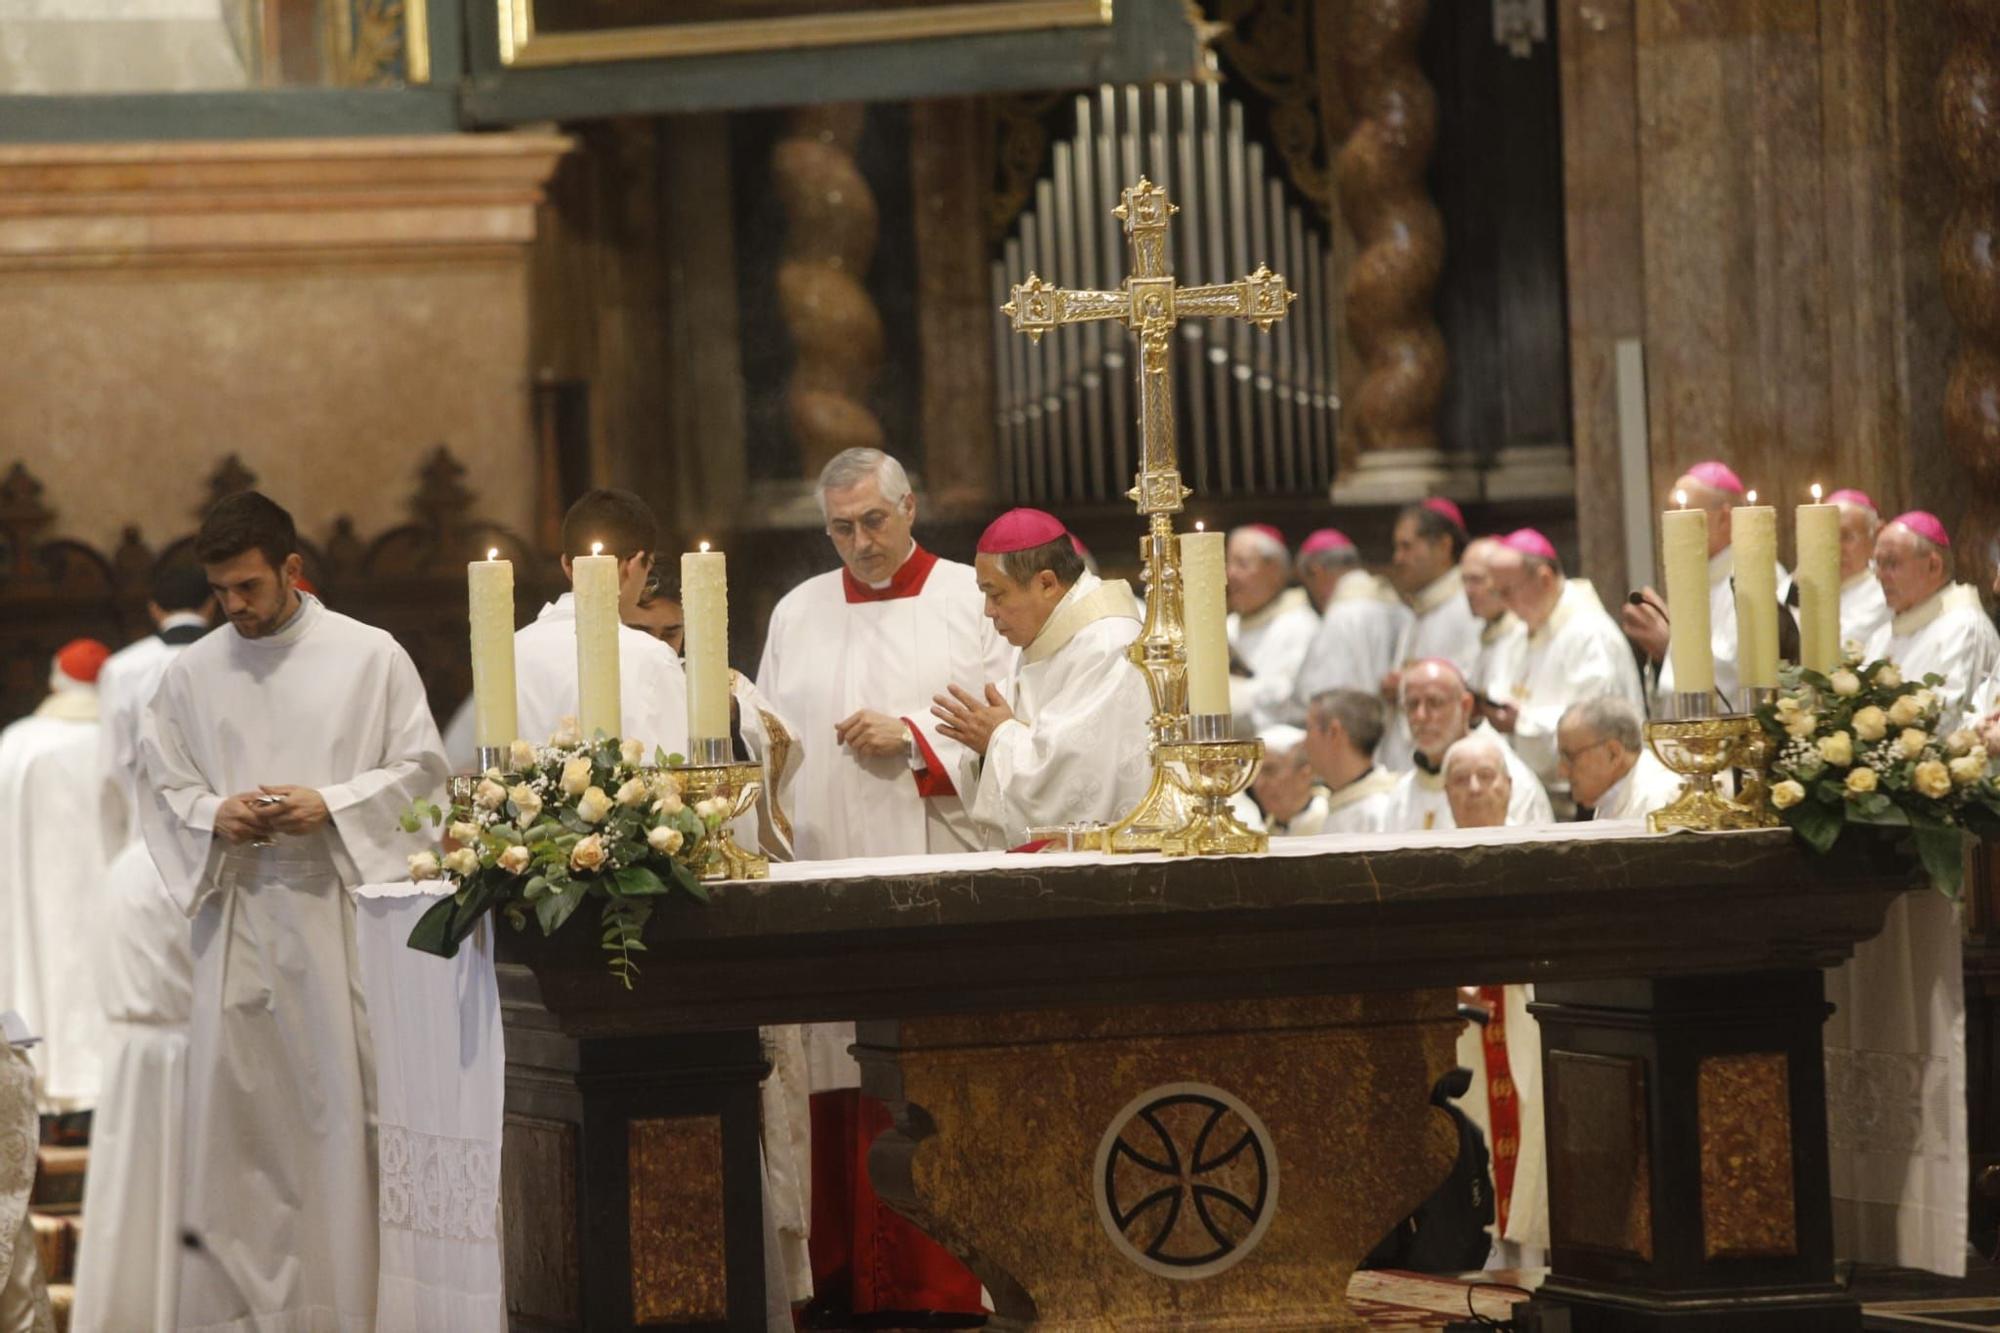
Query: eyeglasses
[
  {"x": 842, "y": 529},
  {"x": 1571, "y": 756}
]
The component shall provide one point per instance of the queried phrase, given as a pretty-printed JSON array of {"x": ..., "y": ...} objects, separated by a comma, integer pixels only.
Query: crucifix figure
[{"x": 1151, "y": 303}]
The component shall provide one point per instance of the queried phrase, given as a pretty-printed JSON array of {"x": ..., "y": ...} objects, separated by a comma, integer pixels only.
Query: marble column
[{"x": 1969, "y": 130}]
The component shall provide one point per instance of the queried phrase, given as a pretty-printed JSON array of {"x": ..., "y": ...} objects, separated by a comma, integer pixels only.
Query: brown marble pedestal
[{"x": 1166, "y": 1166}]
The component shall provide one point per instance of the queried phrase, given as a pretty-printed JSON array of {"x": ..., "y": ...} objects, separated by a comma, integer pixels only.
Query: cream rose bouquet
[
  {"x": 559, "y": 825},
  {"x": 1861, "y": 745}
]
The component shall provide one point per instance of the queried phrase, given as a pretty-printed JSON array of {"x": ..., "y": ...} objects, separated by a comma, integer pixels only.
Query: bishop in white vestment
[
  {"x": 1429, "y": 540},
  {"x": 1065, "y": 741},
  {"x": 1575, "y": 650},
  {"x": 1863, "y": 609},
  {"x": 1361, "y": 621},
  {"x": 1271, "y": 626},
  {"x": 52, "y": 859},
  {"x": 1439, "y": 710},
  {"x": 284, "y": 752}
]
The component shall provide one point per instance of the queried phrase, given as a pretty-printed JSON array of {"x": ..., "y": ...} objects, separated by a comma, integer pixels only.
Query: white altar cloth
[{"x": 440, "y": 1081}]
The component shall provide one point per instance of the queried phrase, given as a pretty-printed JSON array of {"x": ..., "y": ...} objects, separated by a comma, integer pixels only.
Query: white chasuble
[
  {"x": 51, "y": 889},
  {"x": 837, "y": 647},
  {"x": 1272, "y": 641},
  {"x": 1076, "y": 748},
  {"x": 1579, "y": 653},
  {"x": 1442, "y": 627},
  {"x": 1363, "y": 805},
  {"x": 1948, "y": 634},
  {"x": 281, "y": 1172},
  {"x": 1354, "y": 644},
  {"x": 1863, "y": 610},
  {"x": 652, "y": 689},
  {"x": 1721, "y": 630},
  {"x": 1649, "y": 786},
  {"x": 1419, "y": 803},
  {"x": 1503, "y": 645}
]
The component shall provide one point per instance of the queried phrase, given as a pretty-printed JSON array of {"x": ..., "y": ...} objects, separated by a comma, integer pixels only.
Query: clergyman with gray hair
[
  {"x": 1362, "y": 620},
  {"x": 1343, "y": 731},
  {"x": 1271, "y": 627},
  {"x": 853, "y": 658},
  {"x": 1601, "y": 746}
]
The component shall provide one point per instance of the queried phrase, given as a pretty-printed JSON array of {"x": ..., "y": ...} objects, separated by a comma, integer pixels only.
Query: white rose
[
  {"x": 1871, "y": 723},
  {"x": 1801, "y": 725},
  {"x": 576, "y": 775},
  {"x": 463, "y": 832},
  {"x": 1968, "y": 769},
  {"x": 1961, "y": 742},
  {"x": 633, "y": 752},
  {"x": 593, "y": 806},
  {"x": 489, "y": 795},
  {"x": 516, "y": 859},
  {"x": 462, "y": 862},
  {"x": 1905, "y": 711},
  {"x": 670, "y": 804},
  {"x": 566, "y": 734},
  {"x": 1932, "y": 779},
  {"x": 632, "y": 793},
  {"x": 1787, "y": 794},
  {"x": 1887, "y": 677},
  {"x": 1787, "y": 706},
  {"x": 1845, "y": 682},
  {"x": 526, "y": 801},
  {"x": 1861, "y": 780},
  {"x": 520, "y": 756},
  {"x": 715, "y": 807},
  {"x": 666, "y": 841},
  {"x": 666, "y": 783},
  {"x": 1912, "y": 742},
  {"x": 587, "y": 854},
  {"x": 1837, "y": 749},
  {"x": 423, "y": 865}
]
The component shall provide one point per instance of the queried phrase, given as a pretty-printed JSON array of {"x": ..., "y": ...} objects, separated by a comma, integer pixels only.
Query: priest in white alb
[
  {"x": 52, "y": 858},
  {"x": 853, "y": 658},
  {"x": 1343, "y": 731},
  {"x": 1575, "y": 650},
  {"x": 1863, "y": 609},
  {"x": 1429, "y": 539},
  {"x": 1361, "y": 619},
  {"x": 283, "y": 751},
  {"x": 1271, "y": 625},
  {"x": 1064, "y": 740},
  {"x": 1610, "y": 769},
  {"x": 128, "y": 1266},
  {"x": 1439, "y": 710},
  {"x": 1897, "y": 1033}
]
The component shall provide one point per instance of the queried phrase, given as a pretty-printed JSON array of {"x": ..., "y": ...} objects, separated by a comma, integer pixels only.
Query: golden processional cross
[{"x": 1151, "y": 303}]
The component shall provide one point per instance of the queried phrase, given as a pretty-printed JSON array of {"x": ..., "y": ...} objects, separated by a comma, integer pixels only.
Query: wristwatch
[{"x": 911, "y": 754}]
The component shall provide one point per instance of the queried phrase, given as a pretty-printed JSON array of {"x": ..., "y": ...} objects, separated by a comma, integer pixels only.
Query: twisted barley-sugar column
[
  {"x": 1968, "y": 93},
  {"x": 1398, "y": 235},
  {"x": 835, "y": 330}
]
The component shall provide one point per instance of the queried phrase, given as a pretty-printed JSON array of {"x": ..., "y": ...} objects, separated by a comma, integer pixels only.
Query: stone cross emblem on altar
[{"x": 1151, "y": 303}]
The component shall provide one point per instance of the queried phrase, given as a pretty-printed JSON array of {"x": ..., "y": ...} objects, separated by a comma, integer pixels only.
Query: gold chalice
[
  {"x": 740, "y": 785},
  {"x": 1210, "y": 772}
]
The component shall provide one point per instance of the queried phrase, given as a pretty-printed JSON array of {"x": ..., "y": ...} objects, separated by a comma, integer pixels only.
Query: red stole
[
  {"x": 1503, "y": 1105},
  {"x": 906, "y": 582}
]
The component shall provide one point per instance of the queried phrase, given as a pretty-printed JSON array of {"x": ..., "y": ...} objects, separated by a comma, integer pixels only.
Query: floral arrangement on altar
[
  {"x": 1860, "y": 745},
  {"x": 561, "y": 824}
]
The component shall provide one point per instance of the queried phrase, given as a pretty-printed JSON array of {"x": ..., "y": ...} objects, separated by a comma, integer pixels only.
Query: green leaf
[
  {"x": 555, "y": 909},
  {"x": 1941, "y": 847},
  {"x": 432, "y": 933},
  {"x": 1817, "y": 824},
  {"x": 638, "y": 882}
]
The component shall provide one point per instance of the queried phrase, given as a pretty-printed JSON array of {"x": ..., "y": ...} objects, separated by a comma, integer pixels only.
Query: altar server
[
  {"x": 1863, "y": 611},
  {"x": 1438, "y": 709},
  {"x": 1575, "y": 650},
  {"x": 52, "y": 859},
  {"x": 1712, "y": 486},
  {"x": 1937, "y": 626},
  {"x": 128, "y": 1266},
  {"x": 1343, "y": 731},
  {"x": 1611, "y": 772},
  {"x": 1361, "y": 619},
  {"x": 652, "y": 690},
  {"x": 1503, "y": 641},
  {"x": 1429, "y": 539},
  {"x": 1065, "y": 741},
  {"x": 1271, "y": 626},
  {"x": 284, "y": 752}
]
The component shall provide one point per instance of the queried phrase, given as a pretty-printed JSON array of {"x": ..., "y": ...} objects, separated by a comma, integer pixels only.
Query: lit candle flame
[
  {"x": 1816, "y": 492},
  {"x": 1750, "y": 497},
  {"x": 492, "y": 553},
  {"x": 1200, "y": 526},
  {"x": 704, "y": 547},
  {"x": 597, "y": 548},
  {"x": 1681, "y": 499}
]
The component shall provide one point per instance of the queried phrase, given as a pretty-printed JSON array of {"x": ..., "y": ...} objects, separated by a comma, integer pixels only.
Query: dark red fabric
[
  {"x": 932, "y": 780},
  {"x": 1503, "y": 1105},
  {"x": 907, "y": 581},
  {"x": 866, "y": 1257}
]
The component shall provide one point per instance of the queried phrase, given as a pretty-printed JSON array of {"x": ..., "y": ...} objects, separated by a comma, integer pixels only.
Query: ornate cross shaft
[{"x": 1151, "y": 303}]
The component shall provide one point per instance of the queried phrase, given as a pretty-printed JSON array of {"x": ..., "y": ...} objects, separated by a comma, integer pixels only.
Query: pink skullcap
[
  {"x": 1717, "y": 476},
  {"x": 81, "y": 660},
  {"x": 1076, "y": 544},
  {"x": 1444, "y": 508},
  {"x": 1925, "y": 525},
  {"x": 1266, "y": 530},
  {"x": 1529, "y": 542},
  {"x": 1859, "y": 499},
  {"x": 1020, "y": 530},
  {"x": 1326, "y": 539}
]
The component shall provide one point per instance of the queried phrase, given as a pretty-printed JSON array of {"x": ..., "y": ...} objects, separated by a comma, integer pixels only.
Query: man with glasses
[
  {"x": 1438, "y": 709},
  {"x": 853, "y": 659},
  {"x": 1601, "y": 749}
]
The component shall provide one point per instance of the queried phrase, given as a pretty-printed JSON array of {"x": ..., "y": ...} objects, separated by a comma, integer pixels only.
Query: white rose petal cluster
[
  {"x": 593, "y": 805},
  {"x": 633, "y": 793},
  {"x": 566, "y": 734},
  {"x": 588, "y": 854},
  {"x": 1969, "y": 768},
  {"x": 1861, "y": 781},
  {"x": 1845, "y": 683},
  {"x": 462, "y": 862},
  {"x": 670, "y": 804},
  {"x": 664, "y": 840},
  {"x": 715, "y": 807},
  {"x": 1837, "y": 749},
  {"x": 526, "y": 800},
  {"x": 632, "y": 752},
  {"x": 1870, "y": 723},
  {"x": 1961, "y": 742},
  {"x": 1787, "y": 794},
  {"x": 1906, "y": 711},
  {"x": 489, "y": 795},
  {"x": 462, "y": 831},
  {"x": 516, "y": 860},
  {"x": 423, "y": 866},
  {"x": 1911, "y": 743},
  {"x": 1887, "y": 677},
  {"x": 520, "y": 756},
  {"x": 1801, "y": 724},
  {"x": 1932, "y": 779},
  {"x": 576, "y": 775}
]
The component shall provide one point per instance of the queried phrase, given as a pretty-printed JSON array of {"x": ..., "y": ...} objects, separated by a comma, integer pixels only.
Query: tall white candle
[
  {"x": 705, "y": 604},
  {"x": 1819, "y": 585},
  {"x": 1204, "y": 612},
  {"x": 1753, "y": 533},
  {"x": 595, "y": 580},
  {"x": 489, "y": 592},
  {"x": 1684, "y": 551}
]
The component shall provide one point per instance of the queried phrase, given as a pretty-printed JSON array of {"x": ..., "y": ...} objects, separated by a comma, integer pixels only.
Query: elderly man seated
[
  {"x": 1604, "y": 759},
  {"x": 1439, "y": 709}
]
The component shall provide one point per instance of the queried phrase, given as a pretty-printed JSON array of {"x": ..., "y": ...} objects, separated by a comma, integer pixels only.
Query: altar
[{"x": 1156, "y": 1093}]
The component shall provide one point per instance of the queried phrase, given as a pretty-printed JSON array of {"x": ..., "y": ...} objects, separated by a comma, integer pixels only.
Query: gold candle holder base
[
  {"x": 1700, "y": 750},
  {"x": 1209, "y": 773},
  {"x": 1162, "y": 810},
  {"x": 1754, "y": 753},
  {"x": 739, "y": 784}
]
